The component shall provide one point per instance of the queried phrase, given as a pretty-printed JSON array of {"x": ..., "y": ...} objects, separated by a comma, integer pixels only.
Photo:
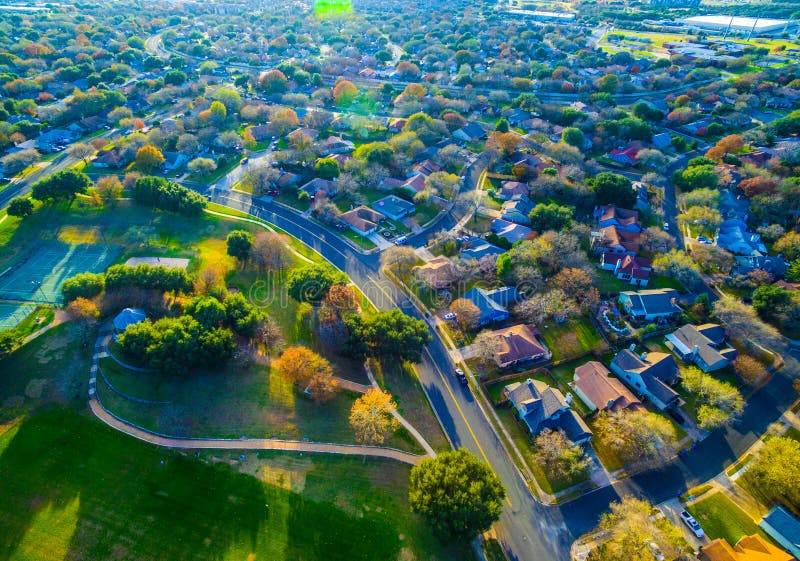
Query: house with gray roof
[
  {"x": 478, "y": 248},
  {"x": 541, "y": 407},
  {"x": 517, "y": 210},
  {"x": 493, "y": 304},
  {"x": 650, "y": 375},
  {"x": 703, "y": 345},
  {"x": 784, "y": 528},
  {"x": 734, "y": 237},
  {"x": 394, "y": 207},
  {"x": 651, "y": 305},
  {"x": 510, "y": 231}
]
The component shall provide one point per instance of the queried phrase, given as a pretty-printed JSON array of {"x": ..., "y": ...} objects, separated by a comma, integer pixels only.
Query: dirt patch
[
  {"x": 288, "y": 475},
  {"x": 406, "y": 554},
  {"x": 35, "y": 388}
]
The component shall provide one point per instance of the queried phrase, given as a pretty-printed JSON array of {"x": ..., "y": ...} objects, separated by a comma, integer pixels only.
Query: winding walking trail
[{"x": 228, "y": 443}]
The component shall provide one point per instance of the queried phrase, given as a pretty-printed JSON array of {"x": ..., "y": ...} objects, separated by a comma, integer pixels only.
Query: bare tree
[{"x": 269, "y": 252}]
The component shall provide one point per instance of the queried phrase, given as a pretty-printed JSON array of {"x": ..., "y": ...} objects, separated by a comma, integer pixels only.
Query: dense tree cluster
[{"x": 165, "y": 195}]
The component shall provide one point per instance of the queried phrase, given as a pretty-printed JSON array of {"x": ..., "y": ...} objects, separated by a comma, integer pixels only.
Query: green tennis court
[
  {"x": 12, "y": 314},
  {"x": 38, "y": 276}
]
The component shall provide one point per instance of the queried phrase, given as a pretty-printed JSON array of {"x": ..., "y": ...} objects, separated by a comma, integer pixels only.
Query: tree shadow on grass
[{"x": 97, "y": 494}]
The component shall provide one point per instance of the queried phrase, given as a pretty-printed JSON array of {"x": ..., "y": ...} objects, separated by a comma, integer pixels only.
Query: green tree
[
  {"x": 697, "y": 177},
  {"x": 272, "y": 82},
  {"x": 635, "y": 435},
  {"x": 219, "y": 113},
  {"x": 559, "y": 456},
  {"x": 788, "y": 245},
  {"x": 327, "y": 168},
  {"x": 719, "y": 401},
  {"x": 207, "y": 310},
  {"x": 20, "y": 206},
  {"x": 83, "y": 285},
  {"x": 551, "y": 216},
  {"x": 776, "y": 470},
  {"x": 390, "y": 335},
  {"x": 311, "y": 282},
  {"x": 612, "y": 188},
  {"x": 149, "y": 158},
  {"x": 239, "y": 243},
  {"x": 572, "y": 136},
  {"x": 202, "y": 166},
  {"x": 502, "y": 125},
  {"x": 456, "y": 493},
  {"x": 62, "y": 185}
]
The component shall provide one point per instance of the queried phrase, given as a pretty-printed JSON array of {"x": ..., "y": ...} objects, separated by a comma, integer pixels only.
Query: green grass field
[
  {"x": 570, "y": 339},
  {"x": 75, "y": 489},
  {"x": 721, "y": 518}
]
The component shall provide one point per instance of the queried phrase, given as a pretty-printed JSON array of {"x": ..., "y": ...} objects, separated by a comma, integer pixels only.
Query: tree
[
  {"x": 399, "y": 259},
  {"x": 62, "y": 185},
  {"x": 612, "y": 188},
  {"x": 556, "y": 454},
  {"x": 239, "y": 243},
  {"x": 167, "y": 195},
  {"x": 272, "y": 82},
  {"x": 678, "y": 264},
  {"x": 18, "y": 161},
  {"x": 697, "y": 177},
  {"x": 656, "y": 240},
  {"x": 578, "y": 285},
  {"x": 456, "y": 493},
  {"x": 282, "y": 121},
  {"x": 551, "y": 216},
  {"x": 776, "y": 470},
  {"x": 635, "y": 435},
  {"x": 269, "y": 252},
  {"x": 219, "y": 113},
  {"x": 311, "y": 282},
  {"x": 486, "y": 345},
  {"x": 572, "y": 136},
  {"x": 701, "y": 197},
  {"x": 757, "y": 185},
  {"x": 506, "y": 142},
  {"x": 207, "y": 310},
  {"x": 21, "y": 207},
  {"x": 631, "y": 528},
  {"x": 326, "y": 168},
  {"x": 502, "y": 125},
  {"x": 85, "y": 314},
  {"x": 372, "y": 417},
  {"x": 202, "y": 166},
  {"x": 552, "y": 304},
  {"x": 719, "y": 401},
  {"x": 468, "y": 314},
  {"x": 388, "y": 335},
  {"x": 270, "y": 335},
  {"x": 261, "y": 179},
  {"x": 83, "y": 285},
  {"x": 650, "y": 158},
  {"x": 442, "y": 183},
  {"x": 109, "y": 189},
  {"x": 81, "y": 151},
  {"x": 344, "y": 93},
  {"x": 789, "y": 246},
  {"x": 306, "y": 369},
  {"x": 149, "y": 158},
  {"x": 608, "y": 83},
  {"x": 748, "y": 368},
  {"x": 705, "y": 219},
  {"x": 742, "y": 323}
]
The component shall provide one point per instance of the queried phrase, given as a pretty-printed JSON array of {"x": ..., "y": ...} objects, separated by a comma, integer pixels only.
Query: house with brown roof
[
  {"x": 425, "y": 167},
  {"x": 414, "y": 184},
  {"x": 510, "y": 189},
  {"x": 319, "y": 185},
  {"x": 623, "y": 218},
  {"x": 599, "y": 391},
  {"x": 335, "y": 145},
  {"x": 260, "y": 132},
  {"x": 520, "y": 344},
  {"x": 313, "y": 134},
  {"x": 614, "y": 240},
  {"x": 541, "y": 407},
  {"x": 634, "y": 270},
  {"x": 748, "y": 548},
  {"x": 437, "y": 273},
  {"x": 362, "y": 220}
]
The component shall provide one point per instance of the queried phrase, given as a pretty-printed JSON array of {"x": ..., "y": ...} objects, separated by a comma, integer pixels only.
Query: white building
[{"x": 736, "y": 24}]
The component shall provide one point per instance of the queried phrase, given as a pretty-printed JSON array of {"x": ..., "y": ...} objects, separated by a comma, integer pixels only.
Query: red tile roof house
[
  {"x": 624, "y": 219},
  {"x": 599, "y": 391},
  {"x": 634, "y": 270},
  {"x": 519, "y": 344},
  {"x": 362, "y": 220},
  {"x": 614, "y": 240},
  {"x": 438, "y": 273},
  {"x": 625, "y": 156}
]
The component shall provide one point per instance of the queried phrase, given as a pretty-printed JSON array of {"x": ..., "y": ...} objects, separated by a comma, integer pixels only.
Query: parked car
[
  {"x": 401, "y": 240},
  {"x": 462, "y": 378},
  {"x": 449, "y": 316},
  {"x": 666, "y": 226},
  {"x": 689, "y": 520}
]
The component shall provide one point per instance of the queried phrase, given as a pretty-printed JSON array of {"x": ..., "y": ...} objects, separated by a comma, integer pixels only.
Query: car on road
[
  {"x": 449, "y": 316},
  {"x": 666, "y": 226},
  {"x": 401, "y": 240},
  {"x": 245, "y": 160},
  {"x": 689, "y": 520},
  {"x": 462, "y": 378}
]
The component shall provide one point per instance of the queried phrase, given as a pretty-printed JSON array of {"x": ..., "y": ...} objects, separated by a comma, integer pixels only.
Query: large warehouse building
[{"x": 741, "y": 25}]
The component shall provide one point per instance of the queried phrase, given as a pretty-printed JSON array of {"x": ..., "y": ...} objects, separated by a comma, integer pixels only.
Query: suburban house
[
  {"x": 781, "y": 526},
  {"x": 287, "y": 179},
  {"x": 614, "y": 240},
  {"x": 335, "y": 145},
  {"x": 108, "y": 158},
  {"x": 478, "y": 248},
  {"x": 362, "y": 220},
  {"x": 394, "y": 207},
  {"x": 510, "y": 189},
  {"x": 472, "y": 132},
  {"x": 775, "y": 266},
  {"x": 624, "y": 219},
  {"x": 703, "y": 345},
  {"x": 425, "y": 167},
  {"x": 414, "y": 184},
  {"x": 734, "y": 237},
  {"x": 438, "y": 273},
  {"x": 650, "y": 375},
  {"x": 542, "y": 407},
  {"x": 313, "y": 134},
  {"x": 259, "y": 132},
  {"x": 634, "y": 270},
  {"x": 651, "y": 305},
  {"x": 510, "y": 231},
  {"x": 519, "y": 344},
  {"x": 128, "y": 316},
  {"x": 517, "y": 210},
  {"x": 624, "y": 156},
  {"x": 174, "y": 160},
  {"x": 599, "y": 391},
  {"x": 318, "y": 185},
  {"x": 748, "y": 548},
  {"x": 493, "y": 304},
  {"x": 662, "y": 140}
]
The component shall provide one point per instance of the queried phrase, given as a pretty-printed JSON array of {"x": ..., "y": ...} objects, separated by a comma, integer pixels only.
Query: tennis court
[
  {"x": 38, "y": 276},
  {"x": 12, "y": 314}
]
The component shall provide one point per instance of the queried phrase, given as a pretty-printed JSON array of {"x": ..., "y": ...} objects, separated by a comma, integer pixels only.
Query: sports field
[
  {"x": 12, "y": 314},
  {"x": 38, "y": 276}
]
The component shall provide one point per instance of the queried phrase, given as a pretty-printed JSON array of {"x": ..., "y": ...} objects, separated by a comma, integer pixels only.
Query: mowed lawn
[
  {"x": 570, "y": 339},
  {"x": 75, "y": 489},
  {"x": 721, "y": 518}
]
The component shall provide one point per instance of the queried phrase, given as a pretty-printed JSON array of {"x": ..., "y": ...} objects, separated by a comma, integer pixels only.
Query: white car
[
  {"x": 666, "y": 226},
  {"x": 689, "y": 520},
  {"x": 450, "y": 316}
]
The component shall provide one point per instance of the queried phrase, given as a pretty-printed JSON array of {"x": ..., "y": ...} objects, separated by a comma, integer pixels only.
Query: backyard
[{"x": 571, "y": 339}]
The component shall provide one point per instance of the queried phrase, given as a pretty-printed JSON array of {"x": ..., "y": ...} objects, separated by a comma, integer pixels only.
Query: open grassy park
[{"x": 76, "y": 489}]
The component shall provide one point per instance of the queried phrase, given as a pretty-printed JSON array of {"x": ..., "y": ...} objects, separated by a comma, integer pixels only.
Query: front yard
[{"x": 720, "y": 517}]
